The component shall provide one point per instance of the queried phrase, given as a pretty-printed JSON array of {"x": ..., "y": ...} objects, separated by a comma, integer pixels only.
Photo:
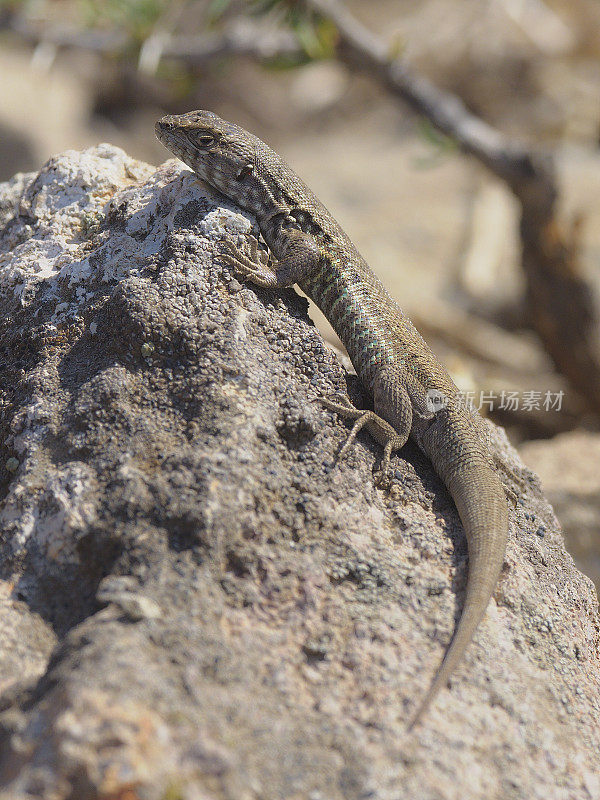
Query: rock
[
  {"x": 567, "y": 466},
  {"x": 197, "y": 601}
]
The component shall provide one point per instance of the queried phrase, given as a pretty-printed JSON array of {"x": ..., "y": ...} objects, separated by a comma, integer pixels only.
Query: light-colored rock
[
  {"x": 568, "y": 468},
  {"x": 236, "y": 616}
]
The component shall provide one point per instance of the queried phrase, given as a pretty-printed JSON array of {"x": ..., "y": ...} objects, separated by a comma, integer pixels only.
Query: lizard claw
[
  {"x": 339, "y": 402},
  {"x": 250, "y": 266},
  {"x": 234, "y": 258}
]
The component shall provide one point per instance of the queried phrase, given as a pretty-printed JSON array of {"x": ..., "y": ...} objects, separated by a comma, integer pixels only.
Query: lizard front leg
[{"x": 300, "y": 256}]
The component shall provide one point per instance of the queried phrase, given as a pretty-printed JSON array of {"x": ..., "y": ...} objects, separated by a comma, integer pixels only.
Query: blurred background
[{"x": 493, "y": 252}]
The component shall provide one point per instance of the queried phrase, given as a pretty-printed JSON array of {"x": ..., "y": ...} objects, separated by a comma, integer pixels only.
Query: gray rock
[
  {"x": 568, "y": 468},
  {"x": 197, "y": 602}
]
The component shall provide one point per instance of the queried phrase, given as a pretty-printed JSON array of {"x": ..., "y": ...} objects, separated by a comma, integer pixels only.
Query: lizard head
[{"x": 219, "y": 152}]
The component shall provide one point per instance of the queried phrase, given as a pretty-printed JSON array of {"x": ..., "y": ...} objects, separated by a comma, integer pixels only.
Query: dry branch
[
  {"x": 241, "y": 38},
  {"x": 560, "y": 301}
]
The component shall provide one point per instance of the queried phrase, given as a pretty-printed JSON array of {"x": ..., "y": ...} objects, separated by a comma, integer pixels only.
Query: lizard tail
[{"x": 483, "y": 510}]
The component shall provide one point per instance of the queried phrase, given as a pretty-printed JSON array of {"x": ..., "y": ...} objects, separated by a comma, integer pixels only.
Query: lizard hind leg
[{"x": 381, "y": 430}]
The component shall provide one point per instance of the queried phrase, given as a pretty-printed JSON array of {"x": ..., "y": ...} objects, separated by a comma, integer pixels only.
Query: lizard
[{"x": 413, "y": 394}]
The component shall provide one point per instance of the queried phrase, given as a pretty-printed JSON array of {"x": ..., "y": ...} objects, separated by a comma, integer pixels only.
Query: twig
[
  {"x": 241, "y": 38},
  {"x": 66, "y": 36},
  {"x": 509, "y": 160}
]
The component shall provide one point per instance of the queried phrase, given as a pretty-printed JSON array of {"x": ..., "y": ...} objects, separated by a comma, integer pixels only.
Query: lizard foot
[
  {"x": 379, "y": 429},
  {"x": 255, "y": 267}
]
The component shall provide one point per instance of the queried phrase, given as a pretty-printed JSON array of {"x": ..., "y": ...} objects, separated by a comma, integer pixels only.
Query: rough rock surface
[
  {"x": 195, "y": 601},
  {"x": 568, "y": 468}
]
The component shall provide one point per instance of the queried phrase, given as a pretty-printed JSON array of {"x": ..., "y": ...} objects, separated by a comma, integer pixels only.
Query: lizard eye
[{"x": 206, "y": 139}]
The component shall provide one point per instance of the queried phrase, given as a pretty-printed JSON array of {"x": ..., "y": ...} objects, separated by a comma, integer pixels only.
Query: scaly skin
[{"x": 392, "y": 360}]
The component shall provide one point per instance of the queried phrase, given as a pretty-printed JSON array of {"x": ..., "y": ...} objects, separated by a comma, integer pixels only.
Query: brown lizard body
[{"x": 413, "y": 395}]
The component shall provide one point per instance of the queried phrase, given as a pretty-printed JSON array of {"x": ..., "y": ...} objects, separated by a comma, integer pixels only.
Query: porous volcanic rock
[{"x": 196, "y": 600}]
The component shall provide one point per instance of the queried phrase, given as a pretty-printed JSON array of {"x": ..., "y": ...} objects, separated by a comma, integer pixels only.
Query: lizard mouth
[
  {"x": 163, "y": 127},
  {"x": 166, "y": 132}
]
